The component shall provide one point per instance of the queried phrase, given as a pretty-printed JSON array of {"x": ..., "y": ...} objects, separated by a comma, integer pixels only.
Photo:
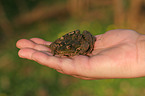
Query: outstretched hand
[{"x": 117, "y": 54}]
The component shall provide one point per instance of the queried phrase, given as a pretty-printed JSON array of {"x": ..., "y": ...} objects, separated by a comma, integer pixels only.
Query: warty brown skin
[{"x": 73, "y": 43}]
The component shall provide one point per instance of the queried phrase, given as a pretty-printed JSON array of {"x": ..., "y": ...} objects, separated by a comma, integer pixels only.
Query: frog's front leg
[
  {"x": 82, "y": 50},
  {"x": 88, "y": 37}
]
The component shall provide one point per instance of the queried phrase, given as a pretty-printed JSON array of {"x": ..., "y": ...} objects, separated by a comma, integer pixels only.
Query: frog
[{"x": 73, "y": 43}]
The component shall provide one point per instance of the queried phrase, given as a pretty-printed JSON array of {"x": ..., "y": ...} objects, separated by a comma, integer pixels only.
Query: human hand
[{"x": 117, "y": 54}]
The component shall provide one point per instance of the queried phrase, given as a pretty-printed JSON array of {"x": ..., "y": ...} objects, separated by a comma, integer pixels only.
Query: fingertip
[
  {"x": 40, "y": 41},
  {"x": 26, "y": 53},
  {"x": 18, "y": 43},
  {"x": 21, "y": 53},
  {"x": 23, "y": 43},
  {"x": 37, "y": 40}
]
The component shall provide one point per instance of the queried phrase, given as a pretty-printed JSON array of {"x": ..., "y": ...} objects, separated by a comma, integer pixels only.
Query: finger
[
  {"x": 26, "y": 53},
  {"x": 77, "y": 65},
  {"x": 109, "y": 38},
  {"x": 40, "y": 41},
  {"x": 60, "y": 71},
  {"x": 41, "y": 48},
  {"x": 113, "y": 37},
  {"x": 24, "y": 43},
  {"x": 64, "y": 64},
  {"x": 98, "y": 44},
  {"x": 82, "y": 77}
]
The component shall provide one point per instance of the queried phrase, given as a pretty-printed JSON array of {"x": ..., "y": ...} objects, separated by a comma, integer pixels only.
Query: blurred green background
[{"x": 50, "y": 19}]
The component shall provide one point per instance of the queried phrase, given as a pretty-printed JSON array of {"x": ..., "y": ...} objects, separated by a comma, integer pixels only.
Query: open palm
[{"x": 116, "y": 54}]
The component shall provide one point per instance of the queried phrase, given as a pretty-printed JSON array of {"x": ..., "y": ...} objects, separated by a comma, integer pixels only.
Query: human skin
[{"x": 117, "y": 54}]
